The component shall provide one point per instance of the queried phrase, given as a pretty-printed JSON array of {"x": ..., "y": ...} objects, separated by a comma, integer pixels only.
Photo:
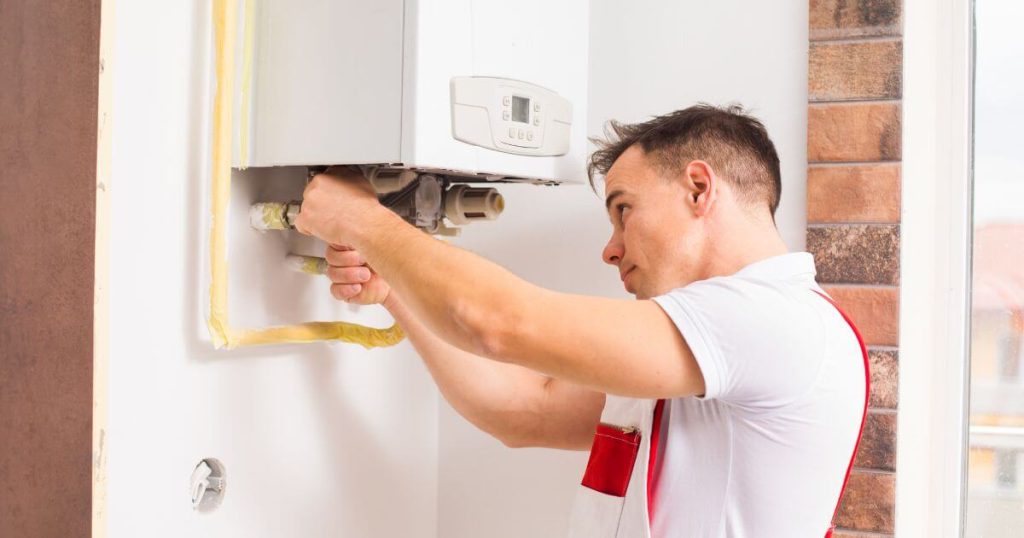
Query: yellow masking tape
[
  {"x": 224, "y": 46},
  {"x": 273, "y": 216},
  {"x": 314, "y": 266},
  {"x": 243, "y": 121},
  {"x": 225, "y": 26},
  {"x": 313, "y": 331}
]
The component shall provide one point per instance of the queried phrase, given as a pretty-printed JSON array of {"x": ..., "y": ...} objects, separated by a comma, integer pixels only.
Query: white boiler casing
[{"x": 484, "y": 89}]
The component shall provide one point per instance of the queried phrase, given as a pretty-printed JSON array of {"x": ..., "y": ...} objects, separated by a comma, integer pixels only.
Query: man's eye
[{"x": 621, "y": 209}]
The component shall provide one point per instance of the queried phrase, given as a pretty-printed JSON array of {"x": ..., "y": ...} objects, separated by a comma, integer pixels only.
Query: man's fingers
[
  {"x": 348, "y": 275},
  {"x": 353, "y": 281},
  {"x": 344, "y": 292},
  {"x": 344, "y": 258}
]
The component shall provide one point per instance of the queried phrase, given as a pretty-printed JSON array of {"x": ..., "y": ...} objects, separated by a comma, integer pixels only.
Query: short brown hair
[{"x": 734, "y": 143}]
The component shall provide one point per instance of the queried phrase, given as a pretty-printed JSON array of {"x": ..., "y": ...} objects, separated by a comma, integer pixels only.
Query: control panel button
[
  {"x": 536, "y": 120},
  {"x": 506, "y": 100},
  {"x": 536, "y": 106},
  {"x": 529, "y": 135},
  {"x": 521, "y": 134},
  {"x": 511, "y": 132},
  {"x": 505, "y": 115}
]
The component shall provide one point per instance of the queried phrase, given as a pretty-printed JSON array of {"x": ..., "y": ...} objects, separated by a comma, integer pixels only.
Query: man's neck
[{"x": 744, "y": 244}]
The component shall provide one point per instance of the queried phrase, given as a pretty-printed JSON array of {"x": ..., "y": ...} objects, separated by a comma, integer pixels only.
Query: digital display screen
[{"x": 520, "y": 109}]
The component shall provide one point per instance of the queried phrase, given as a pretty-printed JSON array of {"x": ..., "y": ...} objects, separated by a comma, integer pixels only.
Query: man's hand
[
  {"x": 336, "y": 205},
  {"x": 352, "y": 280}
]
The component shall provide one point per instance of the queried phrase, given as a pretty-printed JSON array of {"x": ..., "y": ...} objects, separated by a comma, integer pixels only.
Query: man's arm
[
  {"x": 629, "y": 348},
  {"x": 517, "y": 406}
]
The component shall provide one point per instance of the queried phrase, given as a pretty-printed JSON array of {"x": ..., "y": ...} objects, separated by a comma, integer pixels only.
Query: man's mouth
[{"x": 623, "y": 275}]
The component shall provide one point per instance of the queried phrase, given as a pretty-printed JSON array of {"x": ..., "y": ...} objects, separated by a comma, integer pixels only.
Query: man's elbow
[
  {"x": 515, "y": 441},
  {"x": 510, "y": 433},
  {"x": 527, "y": 441},
  {"x": 519, "y": 426}
]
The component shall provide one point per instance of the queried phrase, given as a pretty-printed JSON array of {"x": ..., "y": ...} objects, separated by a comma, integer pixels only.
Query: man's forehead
[{"x": 631, "y": 168}]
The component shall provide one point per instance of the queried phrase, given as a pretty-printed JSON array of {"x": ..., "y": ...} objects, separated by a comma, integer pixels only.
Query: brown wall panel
[{"x": 49, "y": 64}]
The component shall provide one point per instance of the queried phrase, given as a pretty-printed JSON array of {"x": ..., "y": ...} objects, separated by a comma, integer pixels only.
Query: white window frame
[{"x": 935, "y": 268}]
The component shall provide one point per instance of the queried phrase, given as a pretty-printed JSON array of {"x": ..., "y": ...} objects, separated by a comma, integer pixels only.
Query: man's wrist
[
  {"x": 391, "y": 302},
  {"x": 374, "y": 219}
]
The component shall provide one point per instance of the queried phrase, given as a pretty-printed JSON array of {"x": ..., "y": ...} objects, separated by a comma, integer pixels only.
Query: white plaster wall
[
  {"x": 318, "y": 440},
  {"x": 655, "y": 56},
  {"x": 551, "y": 236},
  {"x": 647, "y": 57}
]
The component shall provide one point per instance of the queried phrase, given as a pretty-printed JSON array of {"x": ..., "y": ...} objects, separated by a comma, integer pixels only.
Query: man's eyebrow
[{"x": 611, "y": 197}]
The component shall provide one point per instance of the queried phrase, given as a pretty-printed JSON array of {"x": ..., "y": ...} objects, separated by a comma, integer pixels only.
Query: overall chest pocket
[{"x": 612, "y": 459}]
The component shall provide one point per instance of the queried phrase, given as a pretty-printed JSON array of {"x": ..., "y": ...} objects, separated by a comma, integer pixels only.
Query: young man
[{"x": 726, "y": 401}]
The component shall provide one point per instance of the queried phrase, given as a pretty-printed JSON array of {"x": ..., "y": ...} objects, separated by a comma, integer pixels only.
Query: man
[{"x": 760, "y": 379}]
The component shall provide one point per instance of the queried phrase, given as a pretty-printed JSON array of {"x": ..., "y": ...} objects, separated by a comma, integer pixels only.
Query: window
[{"x": 995, "y": 470}]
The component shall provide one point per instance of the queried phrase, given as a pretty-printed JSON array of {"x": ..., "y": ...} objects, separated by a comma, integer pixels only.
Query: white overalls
[{"x": 598, "y": 514}]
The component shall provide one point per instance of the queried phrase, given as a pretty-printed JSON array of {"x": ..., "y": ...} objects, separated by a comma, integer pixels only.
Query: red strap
[
  {"x": 655, "y": 441},
  {"x": 864, "y": 416}
]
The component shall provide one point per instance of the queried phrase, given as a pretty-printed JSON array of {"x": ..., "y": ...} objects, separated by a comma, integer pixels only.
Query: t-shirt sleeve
[{"x": 751, "y": 341}]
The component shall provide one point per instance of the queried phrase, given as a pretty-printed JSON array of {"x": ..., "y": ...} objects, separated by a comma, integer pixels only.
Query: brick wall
[{"x": 853, "y": 217}]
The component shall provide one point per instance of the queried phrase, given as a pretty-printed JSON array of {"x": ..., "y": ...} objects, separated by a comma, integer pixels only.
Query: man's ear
[{"x": 702, "y": 186}]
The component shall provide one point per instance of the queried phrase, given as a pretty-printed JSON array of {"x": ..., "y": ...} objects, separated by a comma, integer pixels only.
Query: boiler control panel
[{"x": 510, "y": 115}]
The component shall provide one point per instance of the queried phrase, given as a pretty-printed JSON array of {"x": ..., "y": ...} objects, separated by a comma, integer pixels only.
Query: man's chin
[{"x": 639, "y": 294}]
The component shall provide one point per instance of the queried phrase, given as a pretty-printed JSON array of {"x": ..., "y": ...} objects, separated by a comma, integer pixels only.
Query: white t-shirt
[{"x": 764, "y": 452}]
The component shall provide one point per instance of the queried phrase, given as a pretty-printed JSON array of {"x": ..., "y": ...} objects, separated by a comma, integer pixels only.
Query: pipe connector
[
  {"x": 464, "y": 204},
  {"x": 265, "y": 216}
]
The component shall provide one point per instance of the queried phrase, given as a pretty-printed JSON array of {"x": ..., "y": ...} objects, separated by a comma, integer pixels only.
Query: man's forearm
[
  {"x": 518, "y": 406},
  {"x": 466, "y": 300}
]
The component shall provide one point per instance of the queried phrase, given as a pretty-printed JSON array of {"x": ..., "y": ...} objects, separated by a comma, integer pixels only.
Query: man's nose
[{"x": 612, "y": 253}]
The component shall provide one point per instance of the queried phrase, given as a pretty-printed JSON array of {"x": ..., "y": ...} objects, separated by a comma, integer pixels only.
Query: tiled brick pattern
[
  {"x": 878, "y": 446},
  {"x": 884, "y": 378},
  {"x": 854, "y": 193},
  {"x": 838, "y": 132},
  {"x": 838, "y": 19},
  {"x": 869, "y": 502},
  {"x": 875, "y": 311},
  {"x": 853, "y": 214},
  {"x": 856, "y": 253},
  {"x": 849, "y": 71}
]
